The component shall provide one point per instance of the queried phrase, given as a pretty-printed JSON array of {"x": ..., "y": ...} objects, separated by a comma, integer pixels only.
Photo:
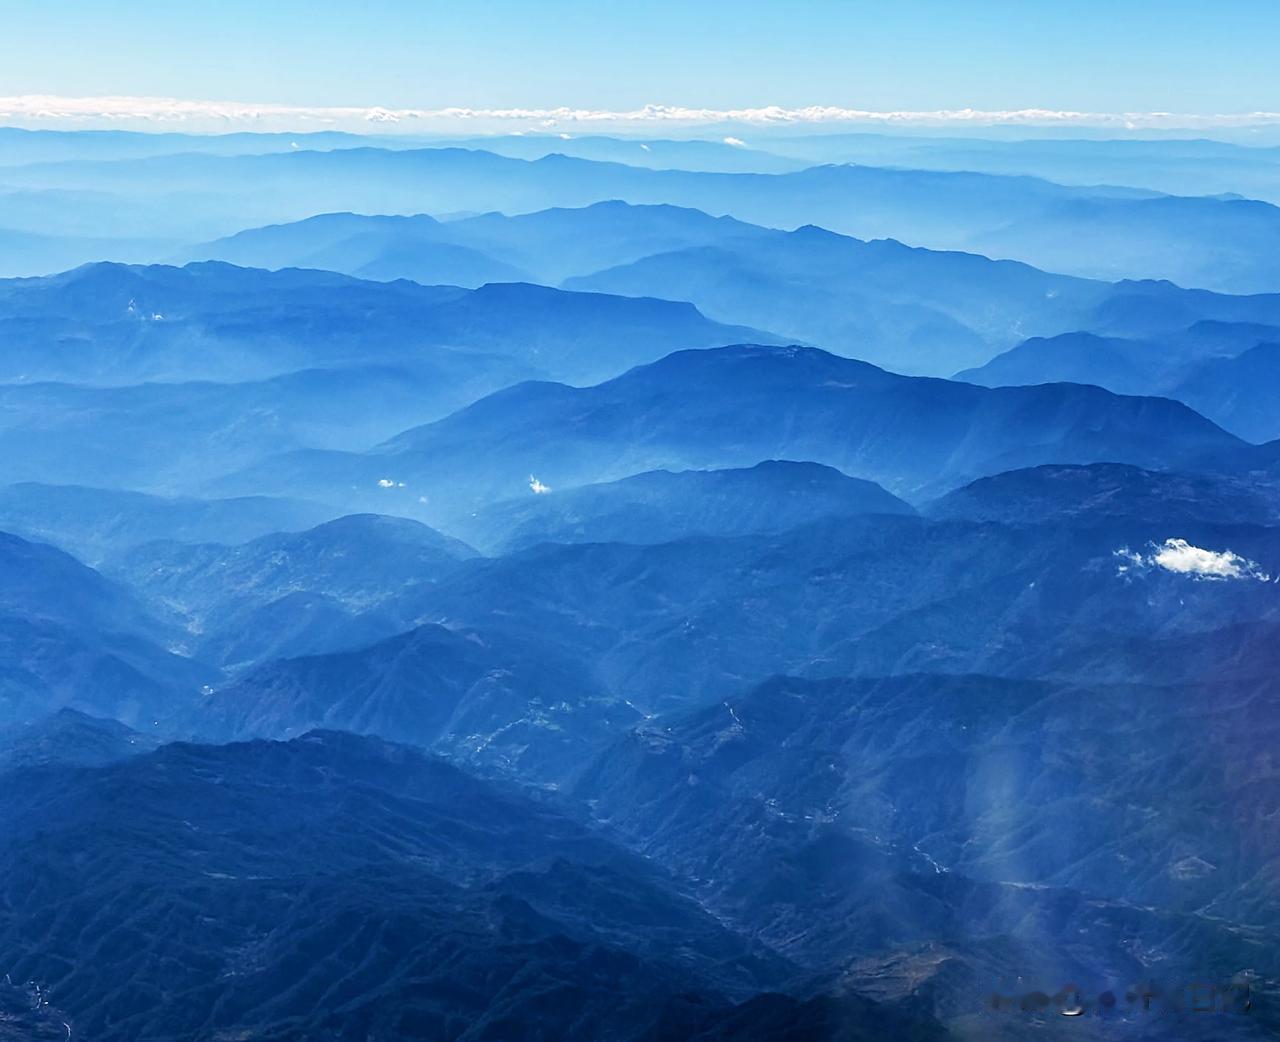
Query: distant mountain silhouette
[
  {"x": 730, "y": 408},
  {"x": 70, "y": 638},
  {"x": 510, "y": 702},
  {"x": 119, "y": 324},
  {"x": 1226, "y": 371},
  {"x": 911, "y": 310},
  {"x": 92, "y": 523},
  {"x": 560, "y": 242},
  {"x": 1116, "y": 363},
  {"x": 69, "y": 737},
  {"x": 545, "y": 246},
  {"x": 164, "y": 438},
  {"x": 241, "y": 364},
  {"x": 659, "y": 506},
  {"x": 290, "y": 594},
  {"x": 654, "y": 153},
  {"x": 914, "y": 311},
  {"x": 1182, "y": 165},
  {"x": 379, "y": 248},
  {"x": 1215, "y": 246},
  {"x": 1108, "y": 232},
  {"x": 1240, "y": 393},
  {"x": 1102, "y": 492}
]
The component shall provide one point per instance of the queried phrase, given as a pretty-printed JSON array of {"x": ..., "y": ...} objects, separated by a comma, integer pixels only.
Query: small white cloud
[
  {"x": 646, "y": 147},
  {"x": 1177, "y": 555},
  {"x": 389, "y": 483},
  {"x": 1183, "y": 558},
  {"x": 1130, "y": 559},
  {"x": 565, "y": 137},
  {"x": 736, "y": 142},
  {"x": 537, "y": 487}
]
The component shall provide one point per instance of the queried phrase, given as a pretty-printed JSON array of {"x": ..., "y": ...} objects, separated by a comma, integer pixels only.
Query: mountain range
[
  {"x": 1229, "y": 372},
  {"x": 1085, "y": 574},
  {"x": 115, "y": 324},
  {"x": 289, "y": 593},
  {"x": 92, "y": 523},
  {"x": 540, "y": 587},
  {"x": 916, "y": 311},
  {"x": 661, "y": 506},
  {"x": 913, "y": 436},
  {"x": 865, "y": 814},
  {"x": 71, "y": 638},
  {"x": 1217, "y": 243},
  {"x": 425, "y": 868}
]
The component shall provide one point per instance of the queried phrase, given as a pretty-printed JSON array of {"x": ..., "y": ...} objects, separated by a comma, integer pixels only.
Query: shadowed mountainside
[{"x": 460, "y": 910}]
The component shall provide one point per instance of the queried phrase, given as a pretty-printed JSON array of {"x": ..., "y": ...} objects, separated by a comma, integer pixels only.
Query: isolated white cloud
[
  {"x": 736, "y": 142},
  {"x": 1183, "y": 558},
  {"x": 537, "y": 487},
  {"x": 1177, "y": 555},
  {"x": 389, "y": 483},
  {"x": 44, "y": 109}
]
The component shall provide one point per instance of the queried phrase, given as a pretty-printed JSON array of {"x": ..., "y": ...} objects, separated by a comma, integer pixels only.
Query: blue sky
[{"x": 1087, "y": 55}]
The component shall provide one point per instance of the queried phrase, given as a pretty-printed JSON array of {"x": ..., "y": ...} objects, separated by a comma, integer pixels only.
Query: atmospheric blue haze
[{"x": 661, "y": 586}]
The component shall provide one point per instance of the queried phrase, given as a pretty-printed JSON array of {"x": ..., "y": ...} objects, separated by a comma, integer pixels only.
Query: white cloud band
[{"x": 44, "y": 110}]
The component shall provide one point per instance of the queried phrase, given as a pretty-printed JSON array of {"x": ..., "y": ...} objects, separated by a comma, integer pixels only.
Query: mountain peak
[{"x": 794, "y": 361}]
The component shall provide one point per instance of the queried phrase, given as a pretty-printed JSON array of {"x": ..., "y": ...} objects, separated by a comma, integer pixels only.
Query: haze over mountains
[
  {"x": 913, "y": 310},
  {"x": 529, "y": 588},
  {"x": 912, "y": 435},
  {"x": 1216, "y": 242},
  {"x": 1199, "y": 367},
  {"x": 660, "y": 506}
]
